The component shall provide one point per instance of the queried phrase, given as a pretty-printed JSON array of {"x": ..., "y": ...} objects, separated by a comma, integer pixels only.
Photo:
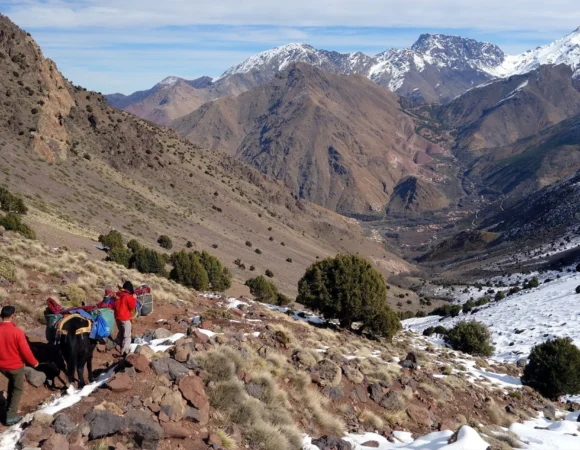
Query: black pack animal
[{"x": 77, "y": 350}]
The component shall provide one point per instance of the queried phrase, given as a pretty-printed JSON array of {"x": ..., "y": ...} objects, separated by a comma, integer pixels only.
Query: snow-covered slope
[
  {"x": 563, "y": 51},
  {"x": 525, "y": 319}
]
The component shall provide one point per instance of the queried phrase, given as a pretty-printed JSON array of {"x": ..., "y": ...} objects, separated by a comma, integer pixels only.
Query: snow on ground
[
  {"x": 523, "y": 320},
  {"x": 10, "y": 437}
]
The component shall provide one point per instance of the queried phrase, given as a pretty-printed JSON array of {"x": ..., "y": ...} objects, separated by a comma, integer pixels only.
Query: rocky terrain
[{"x": 208, "y": 371}]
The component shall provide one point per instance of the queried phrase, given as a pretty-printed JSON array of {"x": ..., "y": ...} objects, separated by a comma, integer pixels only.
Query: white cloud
[{"x": 483, "y": 14}]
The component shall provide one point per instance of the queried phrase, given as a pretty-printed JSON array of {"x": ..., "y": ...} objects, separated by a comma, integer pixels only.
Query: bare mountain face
[
  {"x": 85, "y": 167},
  {"x": 509, "y": 109},
  {"x": 339, "y": 141}
]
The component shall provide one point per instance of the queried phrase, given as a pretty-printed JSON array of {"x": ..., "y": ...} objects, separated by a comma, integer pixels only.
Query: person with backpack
[
  {"x": 125, "y": 304},
  {"x": 14, "y": 354}
]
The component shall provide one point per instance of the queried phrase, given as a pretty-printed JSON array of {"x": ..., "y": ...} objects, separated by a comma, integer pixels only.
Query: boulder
[
  {"x": 162, "y": 333},
  {"x": 255, "y": 390},
  {"x": 377, "y": 392},
  {"x": 143, "y": 429},
  {"x": 173, "y": 405},
  {"x": 328, "y": 373},
  {"x": 120, "y": 382},
  {"x": 145, "y": 350},
  {"x": 172, "y": 369},
  {"x": 192, "y": 414},
  {"x": 176, "y": 431},
  {"x": 41, "y": 418},
  {"x": 371, "y": 444},
  {"x": 392, "y": 401},
  {"x": 103, "y": 423},
  {"x": 333, "y": 392},
  {"x": 34, "y": 434},
  {"x": 199, "y": 337},
  {"x": 407, "y": 364},
  {"x": 182, "y": 352},
  {"x": 331, "y": 443},
  {"x": 193, "y": 389},
  {"x": 139, "y": 361},
  {"x": 412, "y": 356},
  {"x": 419, "y": 415},
  {"x": 206, "y": 325},
  {"x": 34, "y": 377},
  {"x": 63, "y": 425},
  {"x": 55, "y": 442}
]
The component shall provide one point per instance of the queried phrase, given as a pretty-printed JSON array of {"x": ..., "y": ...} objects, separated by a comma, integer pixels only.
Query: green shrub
[
  {"x": 165, "y": 242},
  {"x": 7, "y": 269},
  {"x": 258, "y": 251},
  {"x": 347, "y": 288},
  {"x": 482, "y": 301},
  {"x": 440, "y": 329},
  {"x": 188, "y": 271},
  {"x": 470, "y": 337},
  {"x": 148, "y": 261},
  {"x": 499, "y": 296},
  {"x": 269, "y": 273},
  {"x": 216, "y": 314},
  {"x": 385, "y": 323},
  {"x": 134, "y": 245},
  {"x": 577, "y": 289},
  {"x": 248, "y": 244},
  {"x": 289, "y": 260},
  {"x": 120, "y": 255},
  {"x": 468, "y": 306},
  {"x": 220, "y": 278},
  {"x": 10, "y": 203},
  {"x": 263, "y": 290},
  {"x": 554, "y": 368},
  {"x": 514, "y": 290},
  {"x": 189, "y": 244},
  {"x": 13, "y": 222},
  {"x": 112, "y": 239},
  {"x": 447, "y": 311}
]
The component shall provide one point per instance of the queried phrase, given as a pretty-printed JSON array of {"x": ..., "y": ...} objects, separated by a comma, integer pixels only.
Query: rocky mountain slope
[
  {"x": 504, "y": 111},
  {"x": 85, "y": 167},
  {"x": 339, "y": 141},
  {"x": 210, "y": 372}
]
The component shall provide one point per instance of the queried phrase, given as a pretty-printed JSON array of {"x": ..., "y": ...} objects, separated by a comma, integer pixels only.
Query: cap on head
[
  {"x": 7, "y": 312},
  {"x": 128, "y": 286}
]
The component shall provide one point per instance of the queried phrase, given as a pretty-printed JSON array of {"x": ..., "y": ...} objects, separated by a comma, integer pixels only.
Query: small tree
[
  {"x": 165, "y": 242},
  {"x": 470, "y": 337},
  {"x": 347, "y": 288},
  {"x": 220, "y": 278},
  {"x": 13, "y": 222},
  {"x": 120, "y": 255},
  {"x": 188, "y": 271},
  {"x": 134, "y": 245},
  {"x": 263, "y": 290},
  {"x": 10, "y": 203},
  {"x": 189, "y": 244},
  {"x": 112, "y": 239},
  {"x": 554, "y": 368},
  {"x": 148, "y": 261},
  {"x": 384, "y": 324}
]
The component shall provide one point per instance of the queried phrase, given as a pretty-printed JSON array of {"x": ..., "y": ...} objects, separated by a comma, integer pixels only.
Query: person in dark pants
[{"x": 14, "y": 353}]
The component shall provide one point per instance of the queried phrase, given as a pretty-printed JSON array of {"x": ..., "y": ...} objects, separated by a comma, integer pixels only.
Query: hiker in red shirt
[
  {"x": 14, "y": 353},
  {"x": 125, "y": 304}
]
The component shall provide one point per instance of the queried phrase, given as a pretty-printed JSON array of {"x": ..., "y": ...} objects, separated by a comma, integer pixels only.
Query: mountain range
[{"x": 436, "y": 68}]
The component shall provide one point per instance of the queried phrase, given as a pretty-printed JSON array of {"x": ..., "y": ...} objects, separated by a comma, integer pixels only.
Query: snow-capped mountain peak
[
  {"x": 169, "y": 81},
  {"x": 563, "y": 51}
]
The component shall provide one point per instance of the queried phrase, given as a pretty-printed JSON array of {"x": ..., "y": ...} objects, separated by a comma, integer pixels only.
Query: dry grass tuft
[
  {"x": 371, "y": 418},
  {"x": 227, "y": 442},
  {"x": 74, "y": 294}
]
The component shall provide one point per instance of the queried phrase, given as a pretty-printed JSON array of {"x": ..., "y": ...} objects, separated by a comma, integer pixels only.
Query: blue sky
[{"x": 127, "y": 45}]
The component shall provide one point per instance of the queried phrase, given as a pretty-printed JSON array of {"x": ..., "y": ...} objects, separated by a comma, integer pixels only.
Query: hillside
[
  {"x": 339, "y": 141},
  {"x": 85, "y": 167},
  {"x": 507, "y": 110},
  {"x": 211, "y": 371}
]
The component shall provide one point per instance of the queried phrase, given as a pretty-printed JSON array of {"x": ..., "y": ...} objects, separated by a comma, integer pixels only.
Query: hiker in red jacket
[
  {"x": 14, "y": 353},
  {"x": 125, "y": 304}
]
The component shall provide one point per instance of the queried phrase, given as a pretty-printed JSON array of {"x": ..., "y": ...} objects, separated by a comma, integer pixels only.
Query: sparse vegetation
[
  {"x": 10, "y": 203},
  {"x": 13, "y": 222},
  {"x": 112, "y": 239}
]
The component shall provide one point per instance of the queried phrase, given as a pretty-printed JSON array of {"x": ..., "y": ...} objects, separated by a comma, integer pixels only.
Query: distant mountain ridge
[{"x": 437, "y": 68}]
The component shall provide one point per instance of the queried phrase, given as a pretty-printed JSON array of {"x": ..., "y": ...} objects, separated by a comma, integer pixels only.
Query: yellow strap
[{"x": 80, "y": 330}]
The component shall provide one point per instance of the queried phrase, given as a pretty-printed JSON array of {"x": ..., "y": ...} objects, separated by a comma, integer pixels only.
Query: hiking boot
[{"x": 13, "y": 421}]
